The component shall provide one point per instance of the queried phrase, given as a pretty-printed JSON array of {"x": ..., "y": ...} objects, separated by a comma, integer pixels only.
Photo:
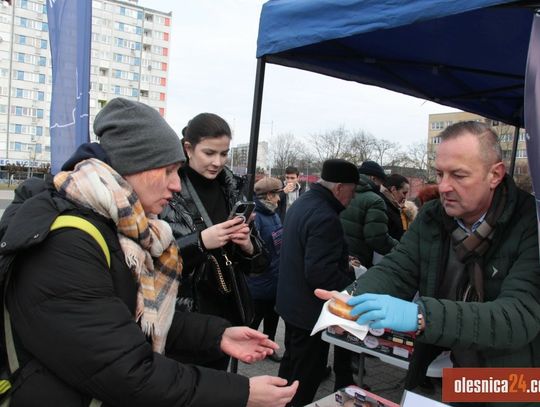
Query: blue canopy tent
[{"x": 468, "y": 54}]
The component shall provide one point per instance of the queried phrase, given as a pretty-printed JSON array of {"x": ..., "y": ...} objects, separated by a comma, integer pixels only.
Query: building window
[
  {"x": 521, "y": 153},
  {"x": 437, "y": 125}
]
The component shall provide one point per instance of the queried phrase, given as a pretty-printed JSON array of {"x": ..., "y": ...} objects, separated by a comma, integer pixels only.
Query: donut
[{"x": 341, "y": 309}]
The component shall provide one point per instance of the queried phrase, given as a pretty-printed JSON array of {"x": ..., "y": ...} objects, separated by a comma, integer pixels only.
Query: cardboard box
[
  {"x": 354, "y": 396},
  {"x": 397, "y": 344}
]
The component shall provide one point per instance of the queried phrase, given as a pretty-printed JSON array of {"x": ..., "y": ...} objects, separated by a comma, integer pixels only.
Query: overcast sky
[{"x": 212, "y": 69}]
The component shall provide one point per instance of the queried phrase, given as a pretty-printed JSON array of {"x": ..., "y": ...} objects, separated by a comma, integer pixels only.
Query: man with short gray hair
[
  {"x": 473, "y": 258},
  {"x": 314, "y": 254}
]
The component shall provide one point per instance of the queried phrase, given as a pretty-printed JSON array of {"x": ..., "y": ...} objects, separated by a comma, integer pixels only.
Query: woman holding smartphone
[{"x": 217, "y": 252}]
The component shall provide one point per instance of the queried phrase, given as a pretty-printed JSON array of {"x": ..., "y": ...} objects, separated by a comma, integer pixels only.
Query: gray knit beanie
[{"x": 136, "y": 138}]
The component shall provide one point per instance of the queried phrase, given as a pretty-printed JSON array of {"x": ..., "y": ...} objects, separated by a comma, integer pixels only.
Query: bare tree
[
  {"x": 384, "y": 150},
  {"x": 285, "y": 150},
  {"x": 361, "y": 146},
  {"x": 331, "y": 144},
  {"x": 420, "y": 157},
  {"x": 398, "y": 158}
]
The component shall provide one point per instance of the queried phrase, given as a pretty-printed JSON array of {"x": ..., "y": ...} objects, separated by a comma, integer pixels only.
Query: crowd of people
[{"x": 147, "y": 296}]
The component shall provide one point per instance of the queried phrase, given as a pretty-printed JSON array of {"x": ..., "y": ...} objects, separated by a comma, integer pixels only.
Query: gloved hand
[{"x": 384, "y": 311}]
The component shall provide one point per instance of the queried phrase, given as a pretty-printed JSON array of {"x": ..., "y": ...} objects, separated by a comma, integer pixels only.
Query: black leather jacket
[
  {"x": 74, "y": 324},
  {"x": 187, "y": 216}
]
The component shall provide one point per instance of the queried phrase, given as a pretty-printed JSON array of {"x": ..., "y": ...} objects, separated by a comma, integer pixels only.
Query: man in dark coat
[
  {"x": 473, "y": 258},
  {"x": 314, "y": 254}
]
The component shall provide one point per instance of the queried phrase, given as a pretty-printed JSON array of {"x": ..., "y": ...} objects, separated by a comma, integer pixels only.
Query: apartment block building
[
  {"x": 129, "y": 58},
  {"x": 238, "y": 157},
  {"x": 438, "y": 122}
]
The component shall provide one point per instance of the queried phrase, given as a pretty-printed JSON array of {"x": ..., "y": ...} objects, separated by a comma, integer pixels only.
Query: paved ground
[{"x": 384, "y": 379}]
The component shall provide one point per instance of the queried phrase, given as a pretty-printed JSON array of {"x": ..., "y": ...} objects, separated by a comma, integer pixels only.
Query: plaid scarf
[
  {"x": 148, "y": 244},
  {"x": 470, "y": 248}
]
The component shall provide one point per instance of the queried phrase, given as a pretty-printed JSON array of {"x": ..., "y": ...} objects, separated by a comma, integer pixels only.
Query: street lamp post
[{"x": 31, "y": 159}]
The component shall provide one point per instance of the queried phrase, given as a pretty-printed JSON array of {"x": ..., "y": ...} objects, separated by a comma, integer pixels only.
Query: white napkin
[
  {"x": 359, "y": 270},
  {"x": 326, "y": 319}
]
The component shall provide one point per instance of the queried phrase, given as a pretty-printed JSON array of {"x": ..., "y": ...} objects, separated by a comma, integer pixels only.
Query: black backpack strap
[{"x": 16, "y": 376}]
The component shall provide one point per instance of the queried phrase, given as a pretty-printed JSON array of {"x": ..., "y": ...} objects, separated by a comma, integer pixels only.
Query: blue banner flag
[
  {"x": 70, "y": 29},
  {"x": 532, "y": 109}
]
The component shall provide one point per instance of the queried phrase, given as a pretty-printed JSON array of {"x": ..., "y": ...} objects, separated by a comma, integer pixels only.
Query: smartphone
[{"x": 242, "y": 209}]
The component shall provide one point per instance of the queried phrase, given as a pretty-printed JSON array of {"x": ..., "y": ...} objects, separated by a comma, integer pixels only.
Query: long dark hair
[
  {"x": 205, "y": 125},
  {"x": 202, "y": 126}
]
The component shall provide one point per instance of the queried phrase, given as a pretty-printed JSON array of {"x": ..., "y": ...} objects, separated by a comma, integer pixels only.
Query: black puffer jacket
[
  {"x": 74, "y": 320},
  {"x": 365, "y": 223},
  {"x": 187, "y": 216}
]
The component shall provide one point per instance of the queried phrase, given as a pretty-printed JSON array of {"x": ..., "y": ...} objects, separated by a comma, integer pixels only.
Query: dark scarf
[{"x": 470, "y": 249}]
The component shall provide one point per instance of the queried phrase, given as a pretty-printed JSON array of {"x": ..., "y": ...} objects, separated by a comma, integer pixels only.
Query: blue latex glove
[{"x": 384, "y": 311}]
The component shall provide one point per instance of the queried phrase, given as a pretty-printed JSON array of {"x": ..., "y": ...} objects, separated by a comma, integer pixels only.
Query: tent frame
[{"x": 256, "y": 124}]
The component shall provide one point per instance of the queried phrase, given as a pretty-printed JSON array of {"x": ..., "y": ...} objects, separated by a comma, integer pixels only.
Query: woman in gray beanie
[
  {"x": 217, "y": 252},
  {"x": 92, "y": 306}
]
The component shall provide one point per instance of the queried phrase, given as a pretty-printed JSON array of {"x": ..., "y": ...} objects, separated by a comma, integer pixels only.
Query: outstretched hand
[
  {"x": 384, "y": 311},
  {"x": 326, "y": 295},
  {"x": 246, "y": 344},
  {"x": 270, "y": 391}
]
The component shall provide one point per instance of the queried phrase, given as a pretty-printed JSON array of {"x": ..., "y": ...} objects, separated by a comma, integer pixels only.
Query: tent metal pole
[
  {"x": 515, "y": 141},
  {"x": 255, "y": 126}
]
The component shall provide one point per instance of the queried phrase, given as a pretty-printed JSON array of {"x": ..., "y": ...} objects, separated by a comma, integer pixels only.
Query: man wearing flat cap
[{"x": 313, "y": 254}]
